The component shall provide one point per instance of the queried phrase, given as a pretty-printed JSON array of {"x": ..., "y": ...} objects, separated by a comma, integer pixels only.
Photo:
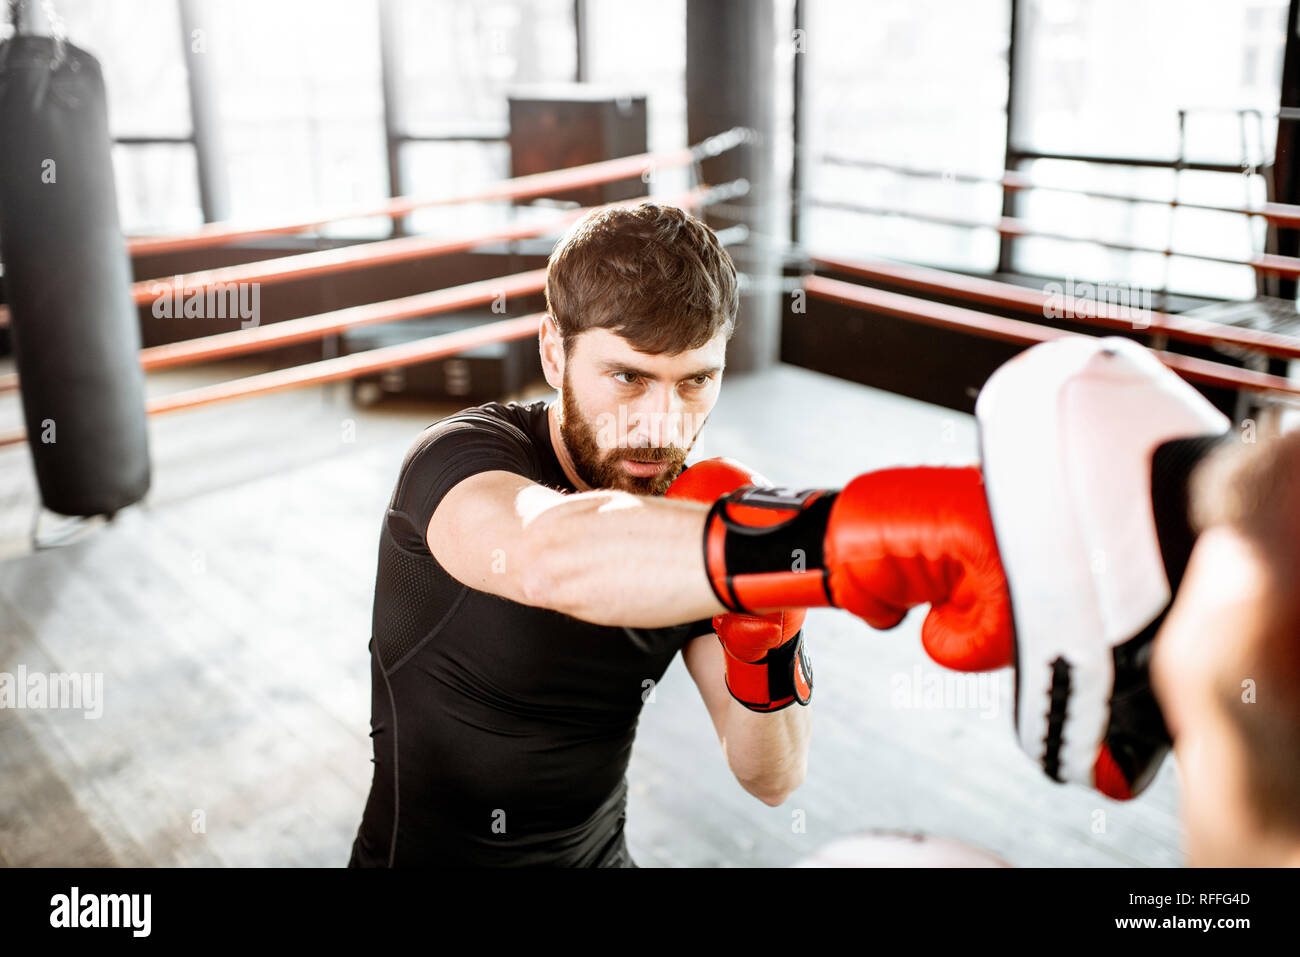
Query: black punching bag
[{"x": 67, "y": 278}]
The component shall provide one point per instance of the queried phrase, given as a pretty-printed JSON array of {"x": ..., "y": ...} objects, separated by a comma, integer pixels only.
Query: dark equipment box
[
  {"x": 488, "y": 372},
  {"x": 553, "y": 127}
]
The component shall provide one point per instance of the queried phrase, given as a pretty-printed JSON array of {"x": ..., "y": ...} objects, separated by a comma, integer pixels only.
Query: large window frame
[
  {"x": 1280, "y": 173},
  {"x": 1018, "y": 156},
  {"x": 1281, "y": 176},
  {"x": 203, "y": 140}
]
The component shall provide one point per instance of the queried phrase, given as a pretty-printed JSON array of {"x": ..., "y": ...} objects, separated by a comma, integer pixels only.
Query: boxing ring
[
  {"x": 313, "y": 265},
  {"x": 369, "y": 255},
  {"x": 1012, "y": 182},
  {"x": 905, "y": 745}
]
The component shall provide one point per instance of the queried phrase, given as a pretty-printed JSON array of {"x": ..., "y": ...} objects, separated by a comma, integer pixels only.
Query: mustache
[{"x": 649, "y": 456}]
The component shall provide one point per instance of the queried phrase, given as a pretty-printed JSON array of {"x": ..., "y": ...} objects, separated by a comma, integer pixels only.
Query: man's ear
[{"x": 550, "y": 346}]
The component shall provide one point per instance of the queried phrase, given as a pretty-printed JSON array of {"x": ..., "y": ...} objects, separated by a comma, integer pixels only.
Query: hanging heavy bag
[{"x": 67, "y": 278}]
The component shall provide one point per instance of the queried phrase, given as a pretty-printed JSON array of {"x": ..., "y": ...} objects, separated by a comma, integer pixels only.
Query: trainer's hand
[{"x": 766, "y": 668}]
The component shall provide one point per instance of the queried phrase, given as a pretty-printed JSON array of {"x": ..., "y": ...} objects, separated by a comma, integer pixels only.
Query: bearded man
[{"x": 541, "y": 564}]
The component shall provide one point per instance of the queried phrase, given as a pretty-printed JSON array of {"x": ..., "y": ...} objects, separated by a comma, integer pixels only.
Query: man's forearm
[
  {"x": 612, "y": 558},
  {"x": 768, "y": 753}
]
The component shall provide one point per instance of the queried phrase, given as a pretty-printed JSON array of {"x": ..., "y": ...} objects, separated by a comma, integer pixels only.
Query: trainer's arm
[
  {"x": 604, "y": 556},
  {"x": 768, "y": 753}
]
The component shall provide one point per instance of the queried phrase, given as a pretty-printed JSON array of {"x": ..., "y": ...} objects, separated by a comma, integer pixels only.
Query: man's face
[
  {"x": 630, "y": 418},
  {"x": 1213, "y": 631}
]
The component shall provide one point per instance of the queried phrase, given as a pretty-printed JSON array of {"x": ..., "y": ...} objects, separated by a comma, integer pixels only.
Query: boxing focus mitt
[{"x": 1086, "y": 446}]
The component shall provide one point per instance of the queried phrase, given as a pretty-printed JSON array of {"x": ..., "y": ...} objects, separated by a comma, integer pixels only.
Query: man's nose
[{"x": 658, "y": 421}]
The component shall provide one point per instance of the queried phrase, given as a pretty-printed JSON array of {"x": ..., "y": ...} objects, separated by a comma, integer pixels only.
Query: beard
[{"x": 600, "y": 467}]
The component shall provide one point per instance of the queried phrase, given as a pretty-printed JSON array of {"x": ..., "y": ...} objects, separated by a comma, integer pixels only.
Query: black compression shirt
[{"x": 501, "y": 732}]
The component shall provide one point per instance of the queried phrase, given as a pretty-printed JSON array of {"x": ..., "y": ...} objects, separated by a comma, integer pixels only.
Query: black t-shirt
[{"x": 502, "y": 732}]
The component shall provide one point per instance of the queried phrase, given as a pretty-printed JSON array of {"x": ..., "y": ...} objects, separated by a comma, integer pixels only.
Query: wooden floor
[{"x": 229, "y": 616}]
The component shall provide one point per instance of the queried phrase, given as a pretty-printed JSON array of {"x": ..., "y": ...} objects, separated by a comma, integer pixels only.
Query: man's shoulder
[
  {"x": 489, "y": 426},
  {"x": 493, "y": 416},
  {"x": 524, "y": 415},
  {"x": 493, "y": 436}
]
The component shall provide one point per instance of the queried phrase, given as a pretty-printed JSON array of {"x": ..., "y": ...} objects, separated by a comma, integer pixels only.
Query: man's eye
[
  {"x": 702, "y": 380},
  {"x": 624, "y": 376}
]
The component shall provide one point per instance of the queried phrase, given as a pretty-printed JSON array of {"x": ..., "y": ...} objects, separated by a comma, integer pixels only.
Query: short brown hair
[
  {"x": 1254, "y": 489},
  {"x": 653, "y": 274}
]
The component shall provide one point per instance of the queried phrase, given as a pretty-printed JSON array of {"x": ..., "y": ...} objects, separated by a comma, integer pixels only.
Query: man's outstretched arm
[
  {"x": 605, "y": 556},
  {"x": 886, "y": 542}
]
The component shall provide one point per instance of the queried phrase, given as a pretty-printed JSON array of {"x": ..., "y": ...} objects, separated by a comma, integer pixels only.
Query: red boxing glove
[
  {"x": 766, "y": 668},
  {"x": 886, "y": 542}
]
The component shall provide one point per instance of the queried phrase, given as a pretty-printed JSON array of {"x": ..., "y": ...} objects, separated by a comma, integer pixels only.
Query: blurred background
[
  {"x": 311, "y": 104},
  {"x": 898, "y": 158}
]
